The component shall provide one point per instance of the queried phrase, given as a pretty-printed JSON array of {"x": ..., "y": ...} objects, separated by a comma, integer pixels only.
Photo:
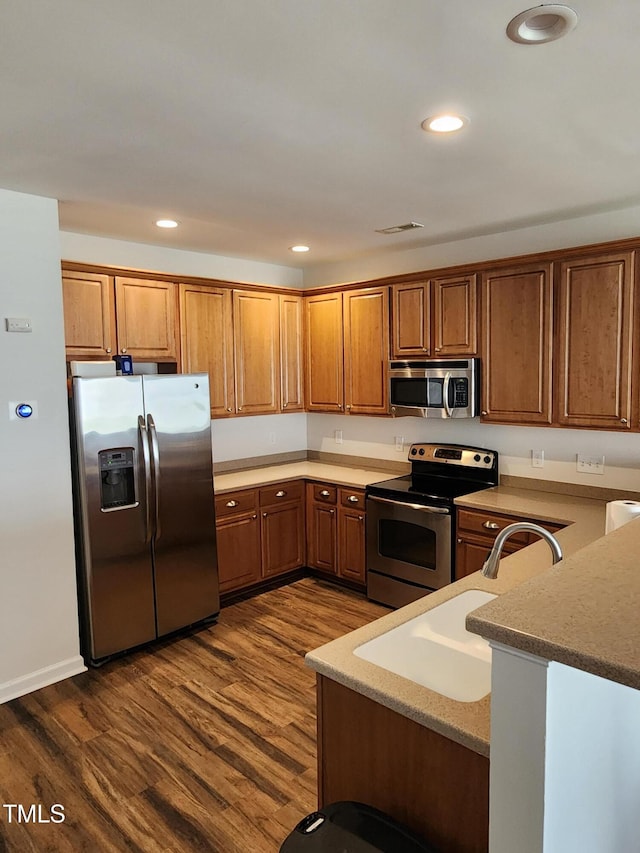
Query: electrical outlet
[
  {"x": 590, "y": 464},
  {"x": 337, "y": 435},
  {"x": 537, "y": 458},
  {"x": 399, "y": 440}
]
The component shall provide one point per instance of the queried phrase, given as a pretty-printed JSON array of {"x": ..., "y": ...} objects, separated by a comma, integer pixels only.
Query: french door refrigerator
[{"x": 145, "y": 521}]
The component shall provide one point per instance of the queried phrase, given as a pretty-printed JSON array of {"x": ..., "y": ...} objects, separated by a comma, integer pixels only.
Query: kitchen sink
[{"x": 436, "y": 650}]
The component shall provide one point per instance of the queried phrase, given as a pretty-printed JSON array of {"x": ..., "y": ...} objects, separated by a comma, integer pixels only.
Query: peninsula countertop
[{"x": 467, "y": 723}]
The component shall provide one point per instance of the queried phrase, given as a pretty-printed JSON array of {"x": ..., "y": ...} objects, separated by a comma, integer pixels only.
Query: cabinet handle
[
  {"x": 491, "y": 525},
  {"x": 353, "y": 498},
  {"x": 281, "y": 493},
  {"x": 325, "y": 494},
  {"x": 264, "y": 514},
  {"x": 361, "y": 518},
  {"x": 284, "y": 405},
  {"x": 239, "y": 408},
  {"x": 458, "y": 541},
  {"x": 438, "y": 349},
  {"x": 255, "y": 515},
  {"x": 124, "y": 349},
  {"x": 623, "y": 420},
  {"x": 348, "y": 406},
  {"x": 331, "y": 511},
  {"x": 232, "y": 503},
  {"x": 108, "y": 349},
  {"x": 483, "y": 413},
  {"x": 229, "y": 409}
]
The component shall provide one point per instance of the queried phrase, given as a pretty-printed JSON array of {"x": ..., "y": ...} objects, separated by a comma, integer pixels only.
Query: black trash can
[{"x": 350, "y": 827}]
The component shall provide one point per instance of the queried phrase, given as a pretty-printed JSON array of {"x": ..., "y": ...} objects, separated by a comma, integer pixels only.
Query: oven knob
[
  {"x": 413, "y": 451},
  {"x": 421, "y": 451},
  {"x": 487, "y": 459},
  {"x": 477, "y": 457}
]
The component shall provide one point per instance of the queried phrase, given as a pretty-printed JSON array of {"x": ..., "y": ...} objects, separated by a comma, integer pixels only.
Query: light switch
[{"x": 18, "y": 324}]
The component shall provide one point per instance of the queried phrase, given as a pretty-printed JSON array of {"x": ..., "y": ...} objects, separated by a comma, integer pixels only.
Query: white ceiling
[{"x": 259, "y": 124}]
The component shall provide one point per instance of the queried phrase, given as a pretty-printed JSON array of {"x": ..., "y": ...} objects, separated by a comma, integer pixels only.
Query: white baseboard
[{"x": 41, "y": 678}]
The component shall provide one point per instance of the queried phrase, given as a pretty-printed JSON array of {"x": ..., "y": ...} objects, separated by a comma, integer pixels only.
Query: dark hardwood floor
[{"x": 205, "y": 743}]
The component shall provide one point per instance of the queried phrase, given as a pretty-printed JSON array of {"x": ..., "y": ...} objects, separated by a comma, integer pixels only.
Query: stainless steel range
[{"x": 411, "y": 520}]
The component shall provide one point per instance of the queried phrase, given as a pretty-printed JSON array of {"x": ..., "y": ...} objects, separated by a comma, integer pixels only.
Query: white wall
[
  {"x": 405, "y": 255},
  {"x": 375, "y": 438},
  {"x": 38, "y": 611},
  {"x": 242, "y": 438},
  {"x": 119, "y": 253}
]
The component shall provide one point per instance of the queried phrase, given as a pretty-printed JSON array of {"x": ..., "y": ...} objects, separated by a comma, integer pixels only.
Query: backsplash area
[{"x": 376, "y": 439}]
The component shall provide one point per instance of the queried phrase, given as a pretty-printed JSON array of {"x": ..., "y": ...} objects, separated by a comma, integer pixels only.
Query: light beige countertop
[
  {"x": 342, "y": 475},
  {"x": 468, "y": 722}
]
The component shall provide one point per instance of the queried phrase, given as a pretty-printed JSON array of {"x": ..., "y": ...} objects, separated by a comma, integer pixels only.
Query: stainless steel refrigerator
[{"x": 145, "y": 521}]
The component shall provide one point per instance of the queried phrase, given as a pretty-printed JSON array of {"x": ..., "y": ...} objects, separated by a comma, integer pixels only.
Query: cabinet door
[
  {"x": 351, "y": 544},
  {"x": 411, "y": 317},
  {"x": 146, "y": 317},
  {"x": 455, "y": 316},
  {"x": 321, "y": 534},
  {"x": 471, "y": 555},
  {"x": 366, "y": 351},
  {"x": 89, "y": 315},
  {"x": 239, "y": 556},
  {"x": 291, "y": 353},
  {"x": 256, "y": 330},
  {"x": 516, "y": 345},
  {"x": 594, "y": 342},
  {"x": 282, "y": 530},
  {"x": 206, "y": 334},
  {"x": 324, "y": 357}
]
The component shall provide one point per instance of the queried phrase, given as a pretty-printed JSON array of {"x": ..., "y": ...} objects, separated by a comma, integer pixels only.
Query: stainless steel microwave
[{"x": 435, "y": 389}]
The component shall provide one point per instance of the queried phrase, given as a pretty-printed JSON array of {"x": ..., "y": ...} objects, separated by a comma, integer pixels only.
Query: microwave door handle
[
  {"x": 445, "y": 394},
  {"x": 439, "y": 510},
  {"x": 153, "y": 434},
  {"x": 146, "y": 457}
]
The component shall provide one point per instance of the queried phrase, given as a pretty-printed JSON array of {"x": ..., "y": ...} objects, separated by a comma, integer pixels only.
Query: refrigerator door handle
[
  {"x": 144, "y": 442},
  {"x": 153, "y": 434}
]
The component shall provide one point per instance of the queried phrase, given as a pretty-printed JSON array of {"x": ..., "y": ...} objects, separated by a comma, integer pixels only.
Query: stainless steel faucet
[{"x": 490, "y": 568}]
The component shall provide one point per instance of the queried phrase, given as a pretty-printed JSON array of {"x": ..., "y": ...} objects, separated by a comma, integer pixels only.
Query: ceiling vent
[{"x": 396, "y": 229}]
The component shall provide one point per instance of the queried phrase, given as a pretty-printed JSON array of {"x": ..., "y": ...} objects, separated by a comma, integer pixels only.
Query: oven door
[{"x": 409, "y": 549}]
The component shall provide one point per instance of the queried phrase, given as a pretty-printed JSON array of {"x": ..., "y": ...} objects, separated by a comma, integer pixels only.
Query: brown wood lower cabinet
[
  {"x": 476, "y": 531},
  {"x": 260, "y": 534},
  {"x": 370, "y": 754},
  {"x": 336, "y": 531}
]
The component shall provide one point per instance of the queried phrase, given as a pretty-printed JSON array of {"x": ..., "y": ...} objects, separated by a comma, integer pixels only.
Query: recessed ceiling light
[
  {"x": 541, "y": 24},
  {"x": 444, "y": 123},
  {"x": 299, "y": 248},
  {"x": 166, "y": 223}
]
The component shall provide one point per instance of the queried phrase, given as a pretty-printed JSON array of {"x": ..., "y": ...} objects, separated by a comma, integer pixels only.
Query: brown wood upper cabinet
[
  {"x": 89, "y": 315},
  {"x": 291, "y": 349},
  {"x": 347, "y": 351},
  {"x": 516, "y": 333},
  {"x": 147, "y": 319},
  {"x": 104, "y": 316},
  {"x": 256, "y": 333},
  {"x": 206, "y": 334},
  {"x": 435, "y": 318},
  {"x": 594, "y": 363}
]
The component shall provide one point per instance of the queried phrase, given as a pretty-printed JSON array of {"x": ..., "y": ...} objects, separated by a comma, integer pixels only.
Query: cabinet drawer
[
  {"x": 324, "y": 494},
  {"x": 489, "y": 524},
  {"x": 281, "y": 492},
  {"x": 234, "y": 503},
  {"x": 351, "y": 498}
]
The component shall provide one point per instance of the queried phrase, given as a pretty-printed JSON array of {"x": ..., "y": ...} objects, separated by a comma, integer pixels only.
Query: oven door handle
[{"x": 439, "y": 510}]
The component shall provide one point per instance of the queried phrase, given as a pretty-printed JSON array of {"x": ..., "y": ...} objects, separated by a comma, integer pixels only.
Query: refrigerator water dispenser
[{"x": 117, "y": 489}]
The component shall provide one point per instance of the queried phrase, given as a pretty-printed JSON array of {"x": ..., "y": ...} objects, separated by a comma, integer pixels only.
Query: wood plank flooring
[{"x": 205, "y": 743}]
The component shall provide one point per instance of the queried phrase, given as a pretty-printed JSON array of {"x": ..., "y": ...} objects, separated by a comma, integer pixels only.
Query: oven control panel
[{"x": 453, "y": 454}]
